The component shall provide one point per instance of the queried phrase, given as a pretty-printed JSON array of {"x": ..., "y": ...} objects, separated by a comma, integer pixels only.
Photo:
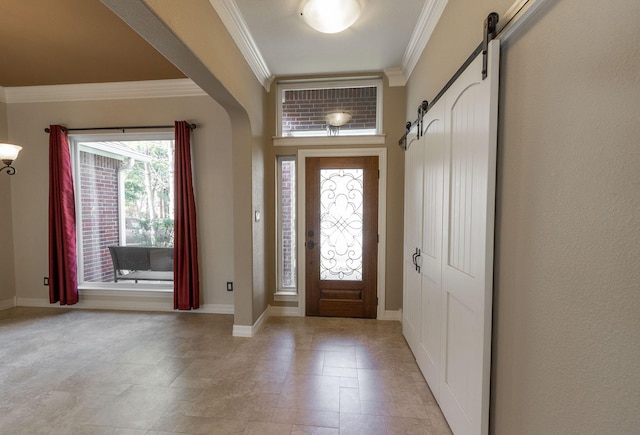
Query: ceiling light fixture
[
  {"x": 331, "y": 16},
  {"x": 8, "y": 153}
]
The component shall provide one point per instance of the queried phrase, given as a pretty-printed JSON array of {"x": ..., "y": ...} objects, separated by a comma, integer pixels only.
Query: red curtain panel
[
  {"x": 186, "y": 293},
  {"x": 63, "y": 268}
]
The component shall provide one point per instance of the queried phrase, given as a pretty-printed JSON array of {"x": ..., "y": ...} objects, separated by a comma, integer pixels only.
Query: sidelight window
[{"x": 286, "y": 224}]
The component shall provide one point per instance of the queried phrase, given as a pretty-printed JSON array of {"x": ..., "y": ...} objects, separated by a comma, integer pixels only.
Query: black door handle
[{"x": 311, "y": 244}]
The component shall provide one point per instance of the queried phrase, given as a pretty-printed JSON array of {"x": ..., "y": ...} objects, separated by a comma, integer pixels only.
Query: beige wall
[
  {"x": 212, "y": 172},
  {"x": 7, "y": 283},
  {"x": 394, "y": 101},
  {"x": 196, "y": 41},
  {"x": 566, "y": 348}
]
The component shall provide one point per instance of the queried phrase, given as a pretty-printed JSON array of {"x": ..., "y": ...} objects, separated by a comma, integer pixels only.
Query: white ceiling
[
  {"x": 277, "y": 42},
  {"x": 376, "y": 41},
  {"x": 98, "y": 47}
]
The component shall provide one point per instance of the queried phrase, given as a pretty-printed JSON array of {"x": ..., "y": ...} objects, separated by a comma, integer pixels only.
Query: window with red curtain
[
  {"x": 186, "y": 280},
  {"x": 63, "y": 277}
]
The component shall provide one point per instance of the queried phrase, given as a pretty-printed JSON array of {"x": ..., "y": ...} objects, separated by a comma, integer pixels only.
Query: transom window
[{"x": 338, "y": 108}]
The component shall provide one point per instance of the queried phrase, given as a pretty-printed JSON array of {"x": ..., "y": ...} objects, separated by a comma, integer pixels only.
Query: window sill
[
  {"x": 378, "y": 139},
  {"x": 285, "y": 297},
  {"x": 143, "y": 288}
]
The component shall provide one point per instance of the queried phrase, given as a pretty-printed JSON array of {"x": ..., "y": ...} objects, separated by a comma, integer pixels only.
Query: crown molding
[
  {"x": 103, "y": 91},
  {"x": 237, "y": 28},
  {"x": 429, "y": 17},
  {"x": 395, "y": 76}
]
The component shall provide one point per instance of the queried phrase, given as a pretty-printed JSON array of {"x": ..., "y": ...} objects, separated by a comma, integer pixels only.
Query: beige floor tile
[
  {"x": 202, "y": 425},
  {"x": 340, "y": 372},
  {"x": 414, "y": 426},
  {"x": 349, "y": 382},
  {"x": 306, "y": 362},
  {"x": 358, "y": 424},
  {"x": 341, "y": 359},
  {"x": 306, "y": 417},
  {"x": 395, "y": 409},
  {"x": 260, "y": 428},
  {"x": 320, "y": 393},
  {"x": 313, "y": 430},
  {"x": 350, "y": 401},
  {"x": 127, "y": 373}
]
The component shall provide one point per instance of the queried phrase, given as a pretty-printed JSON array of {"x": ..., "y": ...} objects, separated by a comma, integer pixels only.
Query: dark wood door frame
[
  {"x": 350, "y": 290},
  {"x": 382, "y": 207}
]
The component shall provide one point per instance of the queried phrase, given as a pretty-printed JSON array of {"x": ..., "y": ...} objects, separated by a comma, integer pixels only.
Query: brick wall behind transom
[
  {"x": 305, "y": 109},
  {"x": 288, "y": 228},
  {"x": 99, "y": 196}
]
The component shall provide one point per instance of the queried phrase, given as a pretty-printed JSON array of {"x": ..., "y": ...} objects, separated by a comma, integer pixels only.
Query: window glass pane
[
  {"x": 341, "y": 212},
  {"x": 99, "y": 211},
  {"x": 287, "y": 220},
  {"x": 329, "y": 112},
  {"x": 149, "y": 195},
  {"x": 126, "y": 198}
]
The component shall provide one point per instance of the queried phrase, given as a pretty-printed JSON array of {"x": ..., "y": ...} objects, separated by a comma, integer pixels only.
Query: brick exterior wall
[
  {"x": 305, "y": 110},
  {"x": 99, "y": 196},
  {"x": 288, "y": 220}
]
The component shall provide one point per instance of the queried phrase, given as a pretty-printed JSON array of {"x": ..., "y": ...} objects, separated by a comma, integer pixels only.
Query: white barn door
[
  {"x": 428, "y": 355},
  {"x": 471, "y": 111},
  {"x": 412, "y": 314},
  {"x": 449, "y": 219}
]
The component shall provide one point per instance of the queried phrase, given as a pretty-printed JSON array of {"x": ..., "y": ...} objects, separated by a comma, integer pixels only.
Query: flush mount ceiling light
[{"x": 330, "y": 16}]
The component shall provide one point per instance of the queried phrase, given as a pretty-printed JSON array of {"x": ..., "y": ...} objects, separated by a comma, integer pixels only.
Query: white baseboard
[
  {"x": 34, "y": 302},
  {"x": 8, "y": 303},
  {"x": 283, "y": 311},
  {"x": 393, "y": 315},
  {"x": 215, "y": 309},
  {"x": 295, "y": 312},
  {"x": 242, "y": 331},
  {"x": 98, "y": 305},
  {"x": 125, "y": 304},
  {"x": 274, "y": 311},
  {"x": 251, "y": 331}
]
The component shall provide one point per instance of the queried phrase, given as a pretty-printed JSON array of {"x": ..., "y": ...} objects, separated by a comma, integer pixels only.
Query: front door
[{"x": 341, "y": 236}]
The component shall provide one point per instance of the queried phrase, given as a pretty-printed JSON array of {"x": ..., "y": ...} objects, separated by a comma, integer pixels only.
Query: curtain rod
[{"x": 133, "y": 127}]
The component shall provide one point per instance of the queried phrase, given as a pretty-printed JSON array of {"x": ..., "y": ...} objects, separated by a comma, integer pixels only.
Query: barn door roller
[
  {"x": 490, "y": 32},
  {"x": 490, "y": 25}
]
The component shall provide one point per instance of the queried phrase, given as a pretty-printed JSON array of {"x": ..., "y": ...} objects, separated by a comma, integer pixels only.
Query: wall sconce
[
  {"x": 8, "y": 153},
  {"x": 330, "y": 16},
  {"x": 335, "y": 120}
]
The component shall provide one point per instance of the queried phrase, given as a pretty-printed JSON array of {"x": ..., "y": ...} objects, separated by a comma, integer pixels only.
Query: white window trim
[
  {"x": 326, "y": 84},
  {"x": 294, "y": 141},
  {"x": 382, "y": 217},
  {"x": 75, "y": 148},
  {"x": 286, "y": 294}
]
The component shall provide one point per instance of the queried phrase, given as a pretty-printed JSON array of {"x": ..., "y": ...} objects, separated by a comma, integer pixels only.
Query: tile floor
[{"x": 100, "y": 372}]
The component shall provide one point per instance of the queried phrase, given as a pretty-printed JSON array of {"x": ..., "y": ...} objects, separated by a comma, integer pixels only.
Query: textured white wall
[
  {"x": 567, "y": 319},
  {"x": 566, "y": 345}
]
